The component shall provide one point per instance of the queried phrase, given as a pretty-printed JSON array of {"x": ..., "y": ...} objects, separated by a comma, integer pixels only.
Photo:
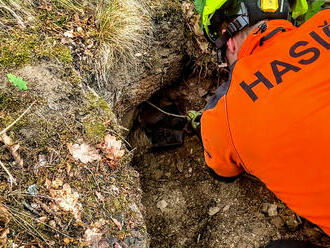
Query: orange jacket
[{"x": 274, "y": 120}]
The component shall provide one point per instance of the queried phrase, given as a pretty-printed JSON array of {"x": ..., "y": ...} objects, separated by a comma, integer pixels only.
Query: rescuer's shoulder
[{"x": 323, "y": 14}]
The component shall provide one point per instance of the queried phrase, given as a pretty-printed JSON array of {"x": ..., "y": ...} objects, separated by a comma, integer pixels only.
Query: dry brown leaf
[
  {"x": 99, "y": 196},
  {"x": 66, "y": 241},
  {"x": 5, "y": 217},
  {"x": 12, "y": 147},
  {"x": 84, "y": 153},
  {"x": 65, "y": 199},
  {"x": 111, "y": 147},
  {"x": 203, "y": 46},
  {"x": 188, "y": 9},
  {"x": 93, "y": 234}
]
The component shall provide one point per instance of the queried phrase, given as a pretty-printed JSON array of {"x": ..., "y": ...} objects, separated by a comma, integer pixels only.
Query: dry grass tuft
[{"x": 125, "y": 27}]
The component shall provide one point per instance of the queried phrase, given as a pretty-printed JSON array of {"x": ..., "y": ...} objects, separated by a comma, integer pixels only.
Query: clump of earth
[{"x": 185, "y": 206}]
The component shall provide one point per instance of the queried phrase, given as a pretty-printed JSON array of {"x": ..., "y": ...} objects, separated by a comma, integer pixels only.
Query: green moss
[
  {"x": 99, "y": 118},
  {"x": 95, "y": 129},
  {"x": 15, "y": 49},
  {"x": 20, "y": 48},
  {"x": 48, "y": 49}
]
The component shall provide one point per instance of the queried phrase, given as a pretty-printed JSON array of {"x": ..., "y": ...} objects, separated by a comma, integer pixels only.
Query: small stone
[
  {"x": 291, "y": 222},
  {"x": 52, "y": 223},
  {"x": 162, "y": 205},
  {"x": 226, "y": 208},
  {"x": 213, "y": 210},
  {"x": 264, "y": 208},
  {"x": 33, "y": 190},
  {"x": 272, "y": 210},
  {"x": 269, "y": 209},
  {"x": 278, "y": 222}
]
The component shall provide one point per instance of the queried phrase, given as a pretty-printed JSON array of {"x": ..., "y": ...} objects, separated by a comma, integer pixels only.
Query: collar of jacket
[{"x": 252, "y": 42}]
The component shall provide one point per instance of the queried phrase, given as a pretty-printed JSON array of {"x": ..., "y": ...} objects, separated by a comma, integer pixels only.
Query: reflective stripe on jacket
[{"x": 274, "y": 121}]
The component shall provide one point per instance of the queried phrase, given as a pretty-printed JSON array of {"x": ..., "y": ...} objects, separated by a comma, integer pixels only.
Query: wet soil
[{"x": 186, "y": 207}]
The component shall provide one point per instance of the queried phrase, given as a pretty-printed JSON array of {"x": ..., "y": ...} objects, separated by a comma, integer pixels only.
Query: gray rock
[
  {"x": 272, "y": 210},
  {"x": 269, "y": 209},
  {"x": 33, "y": 190},
  {"x": 213, "y": 210},
  {"x": 162, "y": 205}
]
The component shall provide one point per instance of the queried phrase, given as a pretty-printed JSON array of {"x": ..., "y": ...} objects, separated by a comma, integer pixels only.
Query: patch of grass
[{"x": 124, "y": 25}]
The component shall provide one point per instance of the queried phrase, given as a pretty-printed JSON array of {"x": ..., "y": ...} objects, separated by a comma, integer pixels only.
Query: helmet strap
[{"x": 237, "y": 25}]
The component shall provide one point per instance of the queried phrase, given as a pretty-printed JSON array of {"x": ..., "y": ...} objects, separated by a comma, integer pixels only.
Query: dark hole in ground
[{"x": 184, "y": 206}]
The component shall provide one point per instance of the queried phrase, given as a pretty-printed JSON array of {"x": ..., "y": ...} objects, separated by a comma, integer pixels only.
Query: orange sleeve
[{"x": 219, "y": 152}]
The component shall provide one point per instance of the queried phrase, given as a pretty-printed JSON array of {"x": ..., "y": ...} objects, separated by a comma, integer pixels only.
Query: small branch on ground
[
  {"x": 15, "y": 121},
  {"x": 11, "y": 179}
]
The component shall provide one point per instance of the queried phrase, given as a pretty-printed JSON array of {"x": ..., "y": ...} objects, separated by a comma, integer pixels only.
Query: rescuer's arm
[{"x": 219, "y": 151}]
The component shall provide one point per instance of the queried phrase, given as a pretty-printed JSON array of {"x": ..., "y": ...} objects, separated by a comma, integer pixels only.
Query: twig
[
  {"x": 28, "y": 225},
  {"x": 15, "y": 121},
  {"x": 37, "y": 220},
  {"x": 164, "y": 112},
  {"x": 12, "y": 180}
]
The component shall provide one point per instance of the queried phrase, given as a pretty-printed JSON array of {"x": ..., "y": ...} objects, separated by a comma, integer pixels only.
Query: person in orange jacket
[{"x": 272, "y": 118}]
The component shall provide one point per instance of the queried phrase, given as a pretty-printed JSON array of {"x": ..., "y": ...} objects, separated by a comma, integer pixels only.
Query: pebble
[
  {"x": 278, "y": 222},
  {"x": 291, "y": 222},
  {"x": 162, "y": 205},
  {"x": 226, "y": 208},
  {"x": 213, "y": 210},
  {"x": 269, "y": 209},
  {"x": 272, "y": 210},
  {"x": 33, "y": 190}
]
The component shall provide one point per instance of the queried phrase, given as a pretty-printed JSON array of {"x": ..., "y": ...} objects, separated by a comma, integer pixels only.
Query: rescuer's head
[{"x": 222, "y": 20}]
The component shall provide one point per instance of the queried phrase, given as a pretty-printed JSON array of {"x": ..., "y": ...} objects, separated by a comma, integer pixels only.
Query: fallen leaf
[
  {"x": 65, "y": 199},
  {"x": 99, "y": 196},
  {"x": 111, "y": 147},
  {"x": 5, "y": 217},
  {"x": 13, "y": 148},
  {"x": 93, "y": 234},
  {"x": 17, "y": 81},
  {"x": 188, "y": 9},
  {"x": 84, "y": 153}
]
